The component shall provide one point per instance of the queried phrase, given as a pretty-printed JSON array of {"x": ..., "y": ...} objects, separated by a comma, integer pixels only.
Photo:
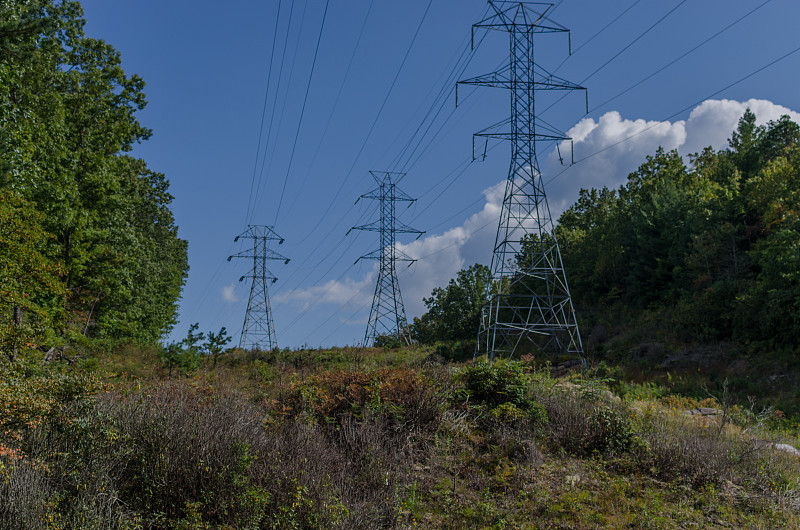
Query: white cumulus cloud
[
  {"x": 618, "y": 145},
  {"x": 229, "y": 293},
  {"x": 349, "y": 292}
]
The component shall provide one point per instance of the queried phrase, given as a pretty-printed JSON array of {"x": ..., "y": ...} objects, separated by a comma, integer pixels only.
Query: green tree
[
  {"x": 31, "y": 290},
  {"x": 67, "y": 120},
  {"x": 215, "y": 344},
  {"x": 711, "y": 248},
  {"x": 454, "y": 311}
]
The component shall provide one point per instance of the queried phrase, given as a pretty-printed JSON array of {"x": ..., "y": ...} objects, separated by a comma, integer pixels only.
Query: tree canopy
[
  {"x": 67, "y": 125},
  {"x": 715, "y": 245},
  {"x": 454, "y": 311}
]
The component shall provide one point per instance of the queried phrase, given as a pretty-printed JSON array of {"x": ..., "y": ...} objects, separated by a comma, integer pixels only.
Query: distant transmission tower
[
  {"x": 258, "y": 330},
  {"x": 529, "y": 298},
  {"x": 387, "y": 316}
]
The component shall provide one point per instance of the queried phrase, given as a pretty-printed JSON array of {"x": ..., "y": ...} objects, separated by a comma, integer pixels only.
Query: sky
[{"x": 274, "y": 112}]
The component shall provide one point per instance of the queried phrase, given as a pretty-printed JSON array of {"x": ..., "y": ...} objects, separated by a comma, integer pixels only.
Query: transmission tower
[
  {"x": 529, "y": 297},
  {"x": 258, "y": 330},
  {"x": 387, "y": 316}
]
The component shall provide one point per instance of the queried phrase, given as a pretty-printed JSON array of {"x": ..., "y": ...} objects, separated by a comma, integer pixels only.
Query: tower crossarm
[
  {"x": 502, "y": 79},
  {"x": 532, "y": 15},
  {"x": 399, "y": 255},
  {"x": 267, "y": 255}
]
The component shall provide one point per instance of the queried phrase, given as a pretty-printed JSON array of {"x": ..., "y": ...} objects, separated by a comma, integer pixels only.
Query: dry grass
[{"x": 291, "y": 446}]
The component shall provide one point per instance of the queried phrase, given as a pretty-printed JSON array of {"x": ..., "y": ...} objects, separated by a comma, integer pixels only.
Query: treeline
[
  {"x": 710, "y": 249},
  {"x": 713, "y": 247},
  {"x": 88, "y": 244}
]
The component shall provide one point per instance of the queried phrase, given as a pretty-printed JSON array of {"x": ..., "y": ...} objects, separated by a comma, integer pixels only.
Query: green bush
[
  {"x": 389, "y": 342},
  {"x": 455, "y": 351},
  {"x": 580, "y": 423},
  {"x": 612, "y": 431},
  {"x": 175, "y": 358},
  {"x": 496, "y": 384}
]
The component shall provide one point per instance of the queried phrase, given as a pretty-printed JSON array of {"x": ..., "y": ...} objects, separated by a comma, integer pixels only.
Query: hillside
[{"x": 347, "y": 438}]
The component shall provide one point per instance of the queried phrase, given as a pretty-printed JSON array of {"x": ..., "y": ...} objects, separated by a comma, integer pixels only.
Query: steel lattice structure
[
  {"x": 258, "y": 330},
  {"x": 387, "y": 315},
  {"x": 528, "y": 307}
]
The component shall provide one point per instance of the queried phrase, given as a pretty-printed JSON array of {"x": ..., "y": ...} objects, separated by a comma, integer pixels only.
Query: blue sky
[{"x": 207, "y": 69}]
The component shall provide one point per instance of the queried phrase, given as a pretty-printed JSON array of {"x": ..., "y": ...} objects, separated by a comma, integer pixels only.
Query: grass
[{"x": 347, "y": 438}]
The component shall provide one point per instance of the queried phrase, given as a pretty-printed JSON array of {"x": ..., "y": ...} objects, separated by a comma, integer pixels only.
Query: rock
[{"x": 786, "y": 448}]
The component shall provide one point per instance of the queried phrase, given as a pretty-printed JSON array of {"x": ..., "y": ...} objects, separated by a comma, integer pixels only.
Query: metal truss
[
  {"x": 529, "y": 308},
  {"x": 387, "y": 315},
  {"x": 258, "y": 330}
]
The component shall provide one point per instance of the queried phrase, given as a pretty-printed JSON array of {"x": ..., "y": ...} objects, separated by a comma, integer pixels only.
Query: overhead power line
[
  {"x": 693, "y": 49},
  {"x": 272, "y": 112},
  {"x": 685, "y": 109},
  {"x": 263, "y": 111},
  {"x": 302, "y": 111},
  {"x": 372, "y": 127},
  {"x": 590, "y": 39}
]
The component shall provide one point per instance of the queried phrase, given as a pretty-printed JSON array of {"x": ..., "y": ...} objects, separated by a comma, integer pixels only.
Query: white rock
[{"x": 787, "y": 449}]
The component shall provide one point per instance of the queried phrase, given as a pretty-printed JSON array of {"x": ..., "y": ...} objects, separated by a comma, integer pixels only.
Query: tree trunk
[{"x": 17, "y": 312}]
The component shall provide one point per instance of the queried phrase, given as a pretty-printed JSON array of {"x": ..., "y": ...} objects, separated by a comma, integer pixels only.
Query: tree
[
  {"x": 215, "y": 344},
  {"x": 454, "y": 312},
  {"x": 712, "y": 248},
  {"x": 31, "y": 290},
  {"x": 67, "y": 120}
]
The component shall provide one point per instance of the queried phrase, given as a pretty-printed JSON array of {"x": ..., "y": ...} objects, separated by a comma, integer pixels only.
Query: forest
[
  {"x": 90, "y": 247},
  {"x": 686, "y": 283}
]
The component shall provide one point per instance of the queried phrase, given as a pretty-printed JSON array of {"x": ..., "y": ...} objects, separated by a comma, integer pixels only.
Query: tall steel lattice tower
[
  {"x": 529, "y": 307},
  {"x": 258, "y": 330},
  {"x": 387, "y": 316}
]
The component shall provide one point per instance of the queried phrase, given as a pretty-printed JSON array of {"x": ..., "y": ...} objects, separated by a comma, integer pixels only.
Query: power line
[
  {"x": 443, "y": 91},
  {"x": 286, "y": 93},
  {"x": 706, "y": 41},
  {"x": 457, "y": 71},
  {"x": 372, "y": 127},
  {"x": 335, "y": 104},
  {"x": 604, "y": 28},
  {"x": 634, "y": 41},
  {"x": 274, "y": 106},
  {"x": 303, "y": 110},
  {"x": 693, "y": 105},
  {"x": 623, "y": 50},
  {"x": 263, "y": 111}
]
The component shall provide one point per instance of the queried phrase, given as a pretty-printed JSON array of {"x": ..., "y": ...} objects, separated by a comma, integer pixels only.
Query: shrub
[
  {"x": 175, "y": 358},
  {"x": 455, "y": 351},
  {"x": 679, "y": 447},
  {"x": 399, "y": 395},
  {"x": 497, "y": 383},
  {"x": 389, "y": 342},
  {"x": 582, "y": 423},
  {"x": 30, "y": 391}
]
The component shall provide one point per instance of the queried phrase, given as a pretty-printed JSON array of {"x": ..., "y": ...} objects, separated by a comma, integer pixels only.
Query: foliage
[
  {"x": 454, "y": 311},
  {"x": 714, "y": 246},
  {"x": 31, "y": 392},
  {"x": 31, "y": 290},
  {"x": 215, "y": 343},
  {"x": 460, "y": 350},
  {"x": 174, "y": 356},
  {"x": 312, "y": 446},
  {"x": 67, "y": 116},
  {"x": 388, "y": 341},
  {"x": 497, "y": 383}
]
